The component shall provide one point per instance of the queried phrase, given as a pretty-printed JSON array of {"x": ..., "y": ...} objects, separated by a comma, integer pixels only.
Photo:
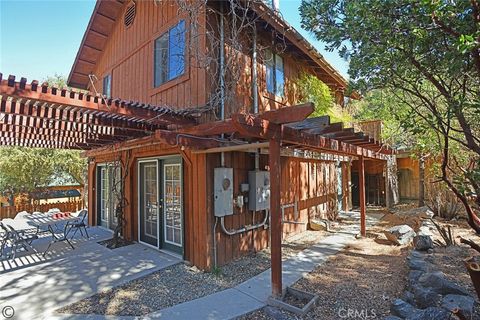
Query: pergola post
[
  {"x": 361, "y": 182},
  {"x": 276, "y": 217},
  {"x": 387, "y": 185}
]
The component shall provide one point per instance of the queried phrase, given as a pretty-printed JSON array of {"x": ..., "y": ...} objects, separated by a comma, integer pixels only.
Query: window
[
  {"x": 275, "y": 74},
  {"x": 170, "y": 54},
  {"x": 107, "y": 85}
]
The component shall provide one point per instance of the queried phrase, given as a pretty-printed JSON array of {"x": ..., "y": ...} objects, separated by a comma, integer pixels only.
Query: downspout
[{"x": 255, "y": 87}]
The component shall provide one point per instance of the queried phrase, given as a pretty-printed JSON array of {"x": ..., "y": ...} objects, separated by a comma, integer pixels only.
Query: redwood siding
[
  {"x": 129, "y": 58},
  {"x": 312, "y": 182}
]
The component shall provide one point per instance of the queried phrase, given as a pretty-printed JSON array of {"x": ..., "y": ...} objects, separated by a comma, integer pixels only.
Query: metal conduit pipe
[{"x": 245, "y": 228}]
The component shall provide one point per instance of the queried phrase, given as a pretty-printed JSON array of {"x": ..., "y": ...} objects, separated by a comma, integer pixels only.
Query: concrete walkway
[{"x": 35, "y": 286}]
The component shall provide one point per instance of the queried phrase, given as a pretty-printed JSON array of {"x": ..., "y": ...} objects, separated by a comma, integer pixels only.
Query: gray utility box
[
  {"x": 223, "y": 191},
  {"x": 259, "y": 191}
]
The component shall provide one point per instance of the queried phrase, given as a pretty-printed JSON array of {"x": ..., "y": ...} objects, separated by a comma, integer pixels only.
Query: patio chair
[
  {"x": 80, "y": 223},
  {"x": 18, "y": 239},
  {"x": 21, "y": 215}
]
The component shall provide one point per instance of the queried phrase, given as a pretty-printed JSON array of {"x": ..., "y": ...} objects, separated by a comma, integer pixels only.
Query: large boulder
[
  {"x": 464, "y": 303},
  {"x": 401, "y": 235},
  {"x": 402, "y": 309},
  {"x": 440, "y": 284},
  {"x": 422, "y": 242},
  {"x": 431, "y": 313},
  {"x": 425, "y": 297}
]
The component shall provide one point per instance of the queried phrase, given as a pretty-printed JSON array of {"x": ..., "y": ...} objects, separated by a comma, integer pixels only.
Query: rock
[
  {"x": 431, "y": 313},
  {"x": 408, "y": 297},
  {"x": 419, "y": 264},
  {"x": 438, "y": 283},
  {"x": 426, "y": 297},
  {"x": 400, "y": 235},
  {"x": 424, "y": 231},
  {"x": 464, "y": 303},
  {"x": 402, "y": 309},
  {"x": 422, "y": 243},
  {"x": 430, "y": 251},
  {"x": 413, "y": 276},
  {"x": 416, "y": 254},
  {"x": 392, "y": 318}
]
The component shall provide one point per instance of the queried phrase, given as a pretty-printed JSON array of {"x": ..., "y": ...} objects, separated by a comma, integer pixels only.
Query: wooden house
[{"x": 217, "y": 158}]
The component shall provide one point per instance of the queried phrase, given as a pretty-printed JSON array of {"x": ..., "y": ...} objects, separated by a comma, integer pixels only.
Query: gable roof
[{"x": 107, "y": 12}]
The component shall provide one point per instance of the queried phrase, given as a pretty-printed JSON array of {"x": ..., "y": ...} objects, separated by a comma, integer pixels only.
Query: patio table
[
  {"x": 48, "y": 220},
  {"x": 52, "y": 219}
]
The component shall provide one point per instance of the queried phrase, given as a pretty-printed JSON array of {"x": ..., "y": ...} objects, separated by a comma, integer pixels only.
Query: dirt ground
[
  {"x": 363, "y": 278},
  {"x": 361, "y": 281}
]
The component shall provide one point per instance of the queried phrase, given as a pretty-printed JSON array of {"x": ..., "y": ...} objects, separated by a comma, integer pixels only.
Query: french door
[
  {"x": 161, "y": 203},
  {"x": 108, "y": 194}
]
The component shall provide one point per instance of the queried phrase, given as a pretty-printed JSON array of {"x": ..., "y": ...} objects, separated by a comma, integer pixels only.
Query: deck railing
[{"x": 68, "y": 206}]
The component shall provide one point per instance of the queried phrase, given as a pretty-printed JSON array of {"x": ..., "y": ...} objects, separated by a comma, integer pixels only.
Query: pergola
[{"x": 34, "y": 115}]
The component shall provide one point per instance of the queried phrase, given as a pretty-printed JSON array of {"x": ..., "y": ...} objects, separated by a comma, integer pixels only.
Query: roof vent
[{"x": 130, "y": 14}]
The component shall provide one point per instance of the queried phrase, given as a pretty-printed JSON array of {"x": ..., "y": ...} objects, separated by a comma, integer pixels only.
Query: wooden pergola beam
[
  {"x": 288, "y": 114},
  {"x": 87, "y": 102}
]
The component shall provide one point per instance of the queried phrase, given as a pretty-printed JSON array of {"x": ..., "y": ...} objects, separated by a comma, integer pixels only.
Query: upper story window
[
  {"x": 107, "y": 85},
  {"x": 275, "y": 74},
  {"x": 169, "y": 53}
]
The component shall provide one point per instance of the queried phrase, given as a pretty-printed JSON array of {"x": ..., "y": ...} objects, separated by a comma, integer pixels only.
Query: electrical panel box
[
  {"x": 223, "y": 191},
  {"x": 259, "y": 191}
]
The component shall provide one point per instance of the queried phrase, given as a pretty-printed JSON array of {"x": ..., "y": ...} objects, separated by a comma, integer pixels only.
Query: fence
[{"x": 69, "y": 206}]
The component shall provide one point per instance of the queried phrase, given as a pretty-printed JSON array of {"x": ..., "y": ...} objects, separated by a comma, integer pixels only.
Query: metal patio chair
[
  {"x": 18, "y": 239},
  {"x": 80, "y": 223}
]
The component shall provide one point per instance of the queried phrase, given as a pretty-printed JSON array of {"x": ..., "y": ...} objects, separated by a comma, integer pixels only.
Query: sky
[{"x": 40, "y": 38}]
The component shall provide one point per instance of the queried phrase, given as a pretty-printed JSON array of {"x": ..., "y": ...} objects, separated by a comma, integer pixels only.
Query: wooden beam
[
  {"x": 187, "y": 141},
  {"x": 276, "y": 217},
  {"x": 150, "y": 114},
  {"x": 210, "y": 128},
  {"x": 288, "y": 114},
  {"x": 237, "y": 147},
  {"x": 363, "y": 204}
]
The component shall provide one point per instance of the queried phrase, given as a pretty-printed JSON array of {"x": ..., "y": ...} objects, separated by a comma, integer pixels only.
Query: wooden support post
[
  {"x": 361, "y": 182},
  {"x": 276, "y": 218},
  {"x": 388, "y": 203}
]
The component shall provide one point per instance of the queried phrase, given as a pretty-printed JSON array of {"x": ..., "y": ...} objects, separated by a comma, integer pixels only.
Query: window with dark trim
[
  {"x": 107, "y": 85},
  {"x": 275, "y": 74},
  {"x": 169, "y": 54}
]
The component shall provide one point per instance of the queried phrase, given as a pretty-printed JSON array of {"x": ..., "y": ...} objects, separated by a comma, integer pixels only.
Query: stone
[
  {"x": 425, "y": 297},
  {"x": 408, "y": 297},
  {"x": 464, "y": 303},
  {"x": 440, "y": 284},
  {"x": 419, "y": 264},
  {"x": 431, "y": 313},
  {"x": 425, "y": 231},
  {"x": 402, "y": 309},
  {"x": 413, "y": 276},
  {"x": 401, "y": 235},
  {"x": 422, "y": 242}
]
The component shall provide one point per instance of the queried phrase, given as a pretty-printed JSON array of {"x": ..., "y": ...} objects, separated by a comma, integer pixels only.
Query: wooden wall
[
  {"x": 312, "y": 183},
  {"x": 408, "y": 178},
  {"x": 129, "y": 58},
  {"x": 195, "y": 218}
]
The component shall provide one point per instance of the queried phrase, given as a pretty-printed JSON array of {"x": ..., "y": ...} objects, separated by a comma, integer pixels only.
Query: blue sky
[{"x": 41, "y": 38}]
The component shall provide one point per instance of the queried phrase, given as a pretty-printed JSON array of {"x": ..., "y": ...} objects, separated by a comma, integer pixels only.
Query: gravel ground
[
  {"x": 180, "y": 283},
  {"x": 364, "y": 278}
]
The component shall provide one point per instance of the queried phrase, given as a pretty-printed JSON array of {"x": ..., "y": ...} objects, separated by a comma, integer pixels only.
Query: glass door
[
  {"x": 149, "y": 203},
  {"x": 108, "y": 194},
  {"x": 172, "y": 205}
]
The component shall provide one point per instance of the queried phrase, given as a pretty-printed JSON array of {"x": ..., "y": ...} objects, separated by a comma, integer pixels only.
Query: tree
[
  {"x": 24, "y": 170},
  {"x": 427, "y": 54}
]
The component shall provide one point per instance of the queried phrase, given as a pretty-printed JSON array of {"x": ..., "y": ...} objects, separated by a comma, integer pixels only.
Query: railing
[{"x": 69, "y": 206}]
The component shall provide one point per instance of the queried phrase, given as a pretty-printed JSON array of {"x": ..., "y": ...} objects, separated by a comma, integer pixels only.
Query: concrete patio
[{"x": 35, "y": 286}]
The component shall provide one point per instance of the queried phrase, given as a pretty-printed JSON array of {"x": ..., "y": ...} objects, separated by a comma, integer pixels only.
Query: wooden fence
[{"x": 69, "y": 206}]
